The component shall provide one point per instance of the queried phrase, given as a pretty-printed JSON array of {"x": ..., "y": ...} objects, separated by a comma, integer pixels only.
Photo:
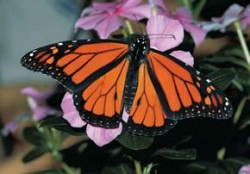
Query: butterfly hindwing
[
  {"x": 184, "y": 92},
  {"x": 101, "y": 102}
]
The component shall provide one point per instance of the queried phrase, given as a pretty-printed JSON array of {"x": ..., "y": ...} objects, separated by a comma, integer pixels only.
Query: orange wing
[
  {"x": 101, "y": 102},
  {"x": 95, "y": 72},
  {"x": 183, "y": 92},
  {"x": 146, "y": 114},
  {"x": 75, "y": 63}
]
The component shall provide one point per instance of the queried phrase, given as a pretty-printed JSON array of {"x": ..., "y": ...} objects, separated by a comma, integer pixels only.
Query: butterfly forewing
[{"x": 73, "y": 63}]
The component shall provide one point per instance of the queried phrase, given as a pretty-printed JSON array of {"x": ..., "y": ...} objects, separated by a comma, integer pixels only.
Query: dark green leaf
[
  {"x": 195, "y": 168},
  {"x": 32, "y": 135},
  {"x": 215, "y": 170},
  {"x": 229, "y": 59},
  {"x": 243, "y": 76},
  {"x": 222, "y": 78},
  {"x": 187, "y": 154},
  {"x": 198, "y": 8},
  {"x": 235, "y": 51},
  {"x": 34, "y": 154},
  {"x": 206, "y": 168},
  {"x": 61, "y": 124},
  {"x": 245, "y": 123},
  {"x": 134, "y": 142},
  {"x": 119, "y": 169}
]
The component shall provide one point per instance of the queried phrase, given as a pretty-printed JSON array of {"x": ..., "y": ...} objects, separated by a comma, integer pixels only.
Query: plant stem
[
  {"x": 54, "y": 143},
  {"x": 138, "y": 168},
  {"x": 129, "y": 27},
  {"x": 242, "y": 41}
]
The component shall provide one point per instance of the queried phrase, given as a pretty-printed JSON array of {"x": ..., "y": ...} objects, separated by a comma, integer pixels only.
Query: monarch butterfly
[{"x": 106, "y": 76}]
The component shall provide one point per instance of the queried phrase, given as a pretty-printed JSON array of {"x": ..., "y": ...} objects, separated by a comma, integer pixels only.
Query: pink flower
[
  {"x": 234, "y": 13},
  {"x": 13, "y": 125},
  {"x": 169, "y": 27},
  {"x": 36, "y": 101},
  {"x": 105, "y": 18},
  {"x": 184, "y": 16},
  {"x": 99, "y": 135},
  {"x": 245, "y": 17},
  {"x": 245, "y": 170}
]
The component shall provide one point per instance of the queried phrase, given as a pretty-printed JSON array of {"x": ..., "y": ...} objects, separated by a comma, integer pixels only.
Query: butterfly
[{"x": 108, "y": 76}]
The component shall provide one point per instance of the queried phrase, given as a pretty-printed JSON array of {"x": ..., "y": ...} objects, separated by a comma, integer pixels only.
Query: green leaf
[
  {"x": 243, "y": 76},
  {"x": 222, "y": 78},
  {"x": 197, "y": 10},
  {"x": 235, "y": 51},
  {"x": 229, "y": 59},
  {"x": 134, "y": 142},
  {"x": 32, "y": 135},
  {"x": 61, "y": 124},
  {"x": 239, "y": 110},
  {"x": 245, "y": 123},
  {"x": 187, "y": 154},
  {"x": 195, "y": 168},
  {"x": 34, "y": 154},
  {"x": 203, "y": 168},
  {"x": 119, "y": 169}
]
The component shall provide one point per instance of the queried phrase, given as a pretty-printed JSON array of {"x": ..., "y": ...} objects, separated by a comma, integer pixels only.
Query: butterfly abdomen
[{"x": 130, "y": 87}]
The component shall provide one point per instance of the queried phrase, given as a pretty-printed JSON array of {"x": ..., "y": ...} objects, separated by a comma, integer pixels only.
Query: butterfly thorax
[{"x": 139, "y": 47}]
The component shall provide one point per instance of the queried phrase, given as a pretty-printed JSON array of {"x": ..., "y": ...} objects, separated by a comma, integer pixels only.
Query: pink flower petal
[
  {"x": 35, "y": 94},
  {"x": 245, "y": 170},
  {"x": 184, "y": 56},
  {"x": 137, "y": 13},
  {"x": 42, "y": 112},
  {"x": 104, "y": 6},
  {"x": 185, "y": 18},
  {"x": 246, "y": 18},
  {"x": 161, "y": 7},
  {"x": 90, "y": 22},
  {"x": 70, "y": 113},
  {"x": 107, "y": 26},
  {"x": 10, "y": 127},
  {"x": 127, "y": 4},
  {"x": 168, "y": 27},
  {"x": 232, "y": 14},
  {"x": 196, "y": 33},
  {"x": 102, "y": 136},
  {"x": 184, "y": 14},
  {"x": 210, "y": 26}
]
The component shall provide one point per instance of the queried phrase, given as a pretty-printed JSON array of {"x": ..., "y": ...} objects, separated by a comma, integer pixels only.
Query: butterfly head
[{"x": 139, "y": 46}]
